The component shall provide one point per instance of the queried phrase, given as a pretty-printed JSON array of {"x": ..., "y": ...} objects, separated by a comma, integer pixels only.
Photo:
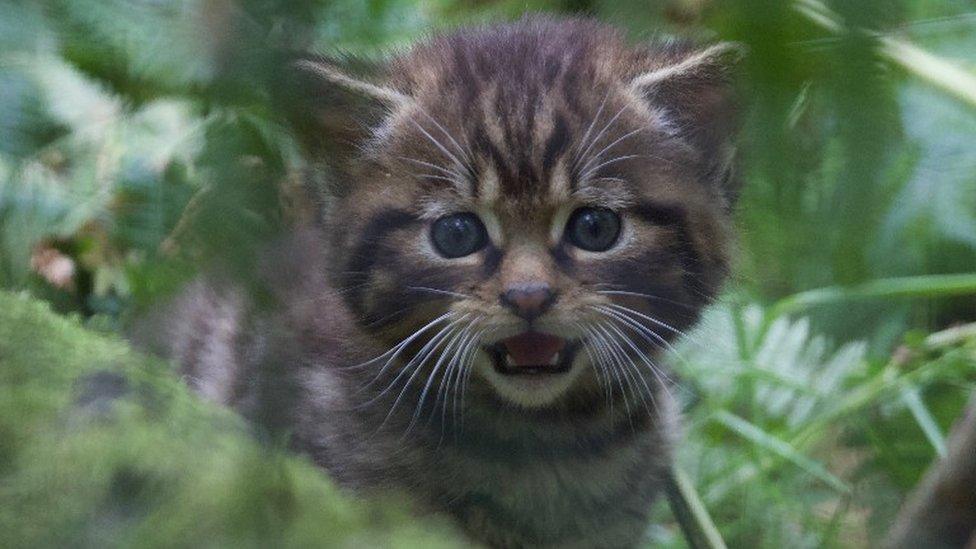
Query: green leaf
[
  {"x": 779, "y": 447},
  {"x": 924, "y": 418}
]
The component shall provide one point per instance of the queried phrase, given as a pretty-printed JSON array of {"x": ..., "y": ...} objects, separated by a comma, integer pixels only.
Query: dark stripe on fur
[
  {"x": 563, "y": 260},
  {"x": 675, "y": 217},
  {"x": 492, "y": 260},
  {"x": 556, "y": 144},
  {"x": 484, "y": 144},
  {"x": 667, "y": 215},
  {"x": 369, "y": 245}
]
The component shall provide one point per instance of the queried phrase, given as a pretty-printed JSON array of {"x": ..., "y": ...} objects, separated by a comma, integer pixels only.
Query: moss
[{"x": 100, "y": 445}]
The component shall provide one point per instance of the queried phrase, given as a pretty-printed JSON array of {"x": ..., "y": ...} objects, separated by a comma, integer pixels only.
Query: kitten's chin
[{"x": 535, "y": 389}]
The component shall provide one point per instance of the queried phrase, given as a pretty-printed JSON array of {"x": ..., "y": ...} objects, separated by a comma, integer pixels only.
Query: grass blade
[
  {"x": 928, "y": 67},
  {"x": 779, "y": 447},
  {"x": 690, "y": 511},
  {"x": 922, "y": 415},
  {"x": 884, "y": 288}
]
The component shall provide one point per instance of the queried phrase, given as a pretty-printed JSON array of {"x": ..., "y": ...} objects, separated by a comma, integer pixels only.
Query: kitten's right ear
[
  {"x": 333, "y": 104},
  {"x": 696, "y": 88}
]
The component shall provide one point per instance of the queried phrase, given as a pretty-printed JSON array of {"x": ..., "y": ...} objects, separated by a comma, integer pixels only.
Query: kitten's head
[{"x": 538, "y": 204}]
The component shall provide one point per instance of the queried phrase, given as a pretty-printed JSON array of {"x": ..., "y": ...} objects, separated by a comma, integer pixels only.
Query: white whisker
[
  {"x": 596, "y": 157},
  {"x": 602, "y": 377},
  {"x": 402, "y": 344},
  {"x": 644, "y": 332},
  {"x": 594, "y": 169},
  {"x": 600, "y": 135},
  {"x": 586, "y": 135},
  {"x": 648, "y": 318},
  {"x": 445, "y": 352},
  {"x": 438, "y": 291},
  {"x": 648, "y": 333},
  {"x": 466, "y": 378},
  {"x": 438, "y": 144},
  {"x": 612, "y": 367},
  {"x": 464, "y": 153},
  {"x": 626, "y": 366},
  {"x": 455, "y": 371},
  {"x": 640, "y": 354},
  {"x": 647, "y": 296},
  {"x": 433, "y": 166},
  {"x": 436, "y": 177},
  {"x": 423, "y": 355}
]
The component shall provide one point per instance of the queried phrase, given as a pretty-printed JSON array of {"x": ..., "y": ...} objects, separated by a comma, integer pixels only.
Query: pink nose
[{"x": 528, "y": 300}]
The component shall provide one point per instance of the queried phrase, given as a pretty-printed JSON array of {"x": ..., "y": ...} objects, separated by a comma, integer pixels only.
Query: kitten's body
[
  {"x": 514, "y": 466},
  {"x": 576, "y": 475}
]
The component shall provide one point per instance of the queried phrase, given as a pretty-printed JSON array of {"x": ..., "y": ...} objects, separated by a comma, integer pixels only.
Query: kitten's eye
[
  {"x": 593, "y": 229},
  {"x": 458, "y": 235}
]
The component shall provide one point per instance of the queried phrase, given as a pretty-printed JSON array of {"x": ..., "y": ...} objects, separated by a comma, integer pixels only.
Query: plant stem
[{"x": 692, "y": 516}]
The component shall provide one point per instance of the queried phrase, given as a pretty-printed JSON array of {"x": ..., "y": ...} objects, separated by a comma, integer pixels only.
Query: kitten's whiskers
[
  {"x": 465, "y": 153},
  {"x": 612, "y": 366},
  {"x": 458, "y": 336},
  {"x": 601, "y": 373},
  {"x": 438, "y": 291},
  {"x": 642, "y": 356},
  {"x": 596, "y": 157},
  {"x": 415, "y": 364},
  {"x": 644, "y": 332},
  {"x": 585, "y": 175},
  {"x": 584, "y": 143},
  {"x": 433, "y": 166},
  {"x": 395, "y": 350},
  {"x": 647, "y": 296},
  {"x": 425, "y": 349},
  {"x": 650, "y": 319},
  {"x": 599, "y": 136},
  {"x": 625, "y": 364},
  {"x": 443, "y": 149}
]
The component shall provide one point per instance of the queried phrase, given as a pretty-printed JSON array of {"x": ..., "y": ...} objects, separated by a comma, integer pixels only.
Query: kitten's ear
[
  {"x": 695, "y": 87},
  {"x": 334, "y": 103}
]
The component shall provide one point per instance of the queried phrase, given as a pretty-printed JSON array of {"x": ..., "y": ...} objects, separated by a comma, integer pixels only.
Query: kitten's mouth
[{"x": 532, "y": 354}]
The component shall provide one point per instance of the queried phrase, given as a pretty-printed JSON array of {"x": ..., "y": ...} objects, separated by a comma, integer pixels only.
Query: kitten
[{"x": 518, "y": 220}]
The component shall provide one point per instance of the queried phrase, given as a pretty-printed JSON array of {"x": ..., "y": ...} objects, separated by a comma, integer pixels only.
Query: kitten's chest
[{"x": 585, "y": 499}]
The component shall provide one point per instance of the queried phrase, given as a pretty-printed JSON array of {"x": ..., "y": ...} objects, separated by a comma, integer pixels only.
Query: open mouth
[{"x": 531, "y": 354}]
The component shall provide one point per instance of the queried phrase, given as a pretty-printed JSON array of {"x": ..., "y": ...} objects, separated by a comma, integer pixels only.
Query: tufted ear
[
  {"x": 334, "y": 104},
  {"x": 695, "y": 88}
]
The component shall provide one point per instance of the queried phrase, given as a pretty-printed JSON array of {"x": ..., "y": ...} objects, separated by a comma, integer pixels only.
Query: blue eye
[
  {"x": 593, "y": 229},
  {"x": 458, "y": 235}
]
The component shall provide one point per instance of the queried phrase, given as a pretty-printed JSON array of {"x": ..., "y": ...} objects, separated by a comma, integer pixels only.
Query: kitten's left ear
[
  {"x": 695, "y": 88},
  {"x": 334, "y": 104}
]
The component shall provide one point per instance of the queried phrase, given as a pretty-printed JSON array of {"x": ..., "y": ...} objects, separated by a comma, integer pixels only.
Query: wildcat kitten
[{"x": 518, "y": 219}]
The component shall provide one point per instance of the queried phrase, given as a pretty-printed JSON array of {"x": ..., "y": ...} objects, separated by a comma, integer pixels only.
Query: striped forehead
[{"x": 522, "y": 153}]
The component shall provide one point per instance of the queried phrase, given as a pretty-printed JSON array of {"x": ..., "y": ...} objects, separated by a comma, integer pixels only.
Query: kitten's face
[{"x": 532, "y": 235}]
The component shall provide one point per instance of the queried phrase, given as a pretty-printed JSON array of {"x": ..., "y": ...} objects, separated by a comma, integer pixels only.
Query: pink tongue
[{"x": 533, "y": 348}]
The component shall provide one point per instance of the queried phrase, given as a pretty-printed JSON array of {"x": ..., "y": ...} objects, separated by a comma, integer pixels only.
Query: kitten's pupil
[
  {"x": 593, "y": 229},
  {"x": 458, "y": 235}
]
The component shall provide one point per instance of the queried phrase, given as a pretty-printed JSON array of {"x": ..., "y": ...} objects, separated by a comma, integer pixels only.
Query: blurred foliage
[
  {"x": 140, "y": 142},
  {"x": 102, "y": 447}
]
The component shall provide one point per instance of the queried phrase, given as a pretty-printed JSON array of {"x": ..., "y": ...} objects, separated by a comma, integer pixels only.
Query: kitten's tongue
[{"x": 533, "y": 348}]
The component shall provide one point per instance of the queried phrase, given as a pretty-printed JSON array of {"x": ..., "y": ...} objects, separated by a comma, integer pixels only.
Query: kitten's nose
[{"x": 528, "y": 300}]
